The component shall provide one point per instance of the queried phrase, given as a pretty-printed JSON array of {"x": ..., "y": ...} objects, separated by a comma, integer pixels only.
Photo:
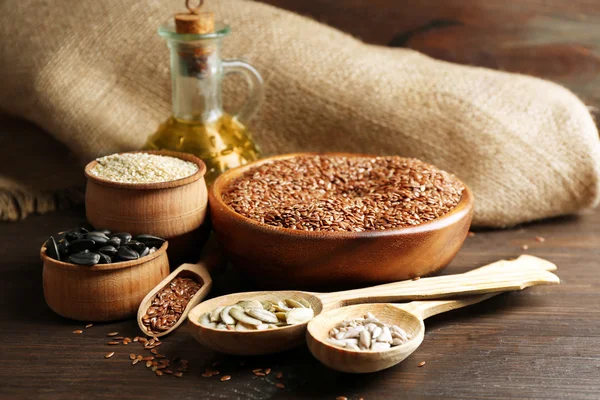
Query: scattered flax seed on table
[
  {"x": 421, "y": 364},
  {"x": 112, "y": 334},
  {"x": 525, "y": 247},
  {"x": 343, "y": 194},
  {"x": 225, "y": 378},
  {"x": 280, "y": 385},
  {"x": 78, "y": 332},
  {"x": 539, "y": 239},
  {"x": 109, "y": 355},
  {"x": 89, "y": 326}
]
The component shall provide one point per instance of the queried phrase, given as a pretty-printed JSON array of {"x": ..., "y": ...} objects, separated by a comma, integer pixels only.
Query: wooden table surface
[{"x": 541, "y": 343}]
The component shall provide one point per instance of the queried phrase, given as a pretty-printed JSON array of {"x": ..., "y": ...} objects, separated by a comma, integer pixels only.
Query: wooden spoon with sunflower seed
[{"x": 244, "y": 323}]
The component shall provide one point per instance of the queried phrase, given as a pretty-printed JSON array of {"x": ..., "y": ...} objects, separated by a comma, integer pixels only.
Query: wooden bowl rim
[
  {"x": 463, "y": 208},
  {"x": 149, "y": 186},
  {"x": 103, "y": 267}
]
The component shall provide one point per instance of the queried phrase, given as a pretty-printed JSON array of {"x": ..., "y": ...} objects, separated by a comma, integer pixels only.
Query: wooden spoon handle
[
  {"x": 497, "y": 277},
  {"x": 426, "y": 309}
]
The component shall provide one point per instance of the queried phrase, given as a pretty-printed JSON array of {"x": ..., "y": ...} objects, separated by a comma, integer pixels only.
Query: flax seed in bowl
[{"x": 339, "y": 219}]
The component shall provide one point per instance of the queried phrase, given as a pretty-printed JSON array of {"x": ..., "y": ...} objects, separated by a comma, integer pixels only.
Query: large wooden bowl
[
  {"x": 174, "y": 210},
  {"x": 281, "y": 257},
  {"x": 104, "y": 292}
]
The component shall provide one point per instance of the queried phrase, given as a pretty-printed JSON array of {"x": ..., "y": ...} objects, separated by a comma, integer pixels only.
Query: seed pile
[
  {"x": 168, "y": 304},
  {"x": 142, "y": 168},
  {"x": 335, "y": 193},
  {"x": 79, "y": 246},
  {"x": 366, "y": 333},
  {"x": 249, "y": 315}
]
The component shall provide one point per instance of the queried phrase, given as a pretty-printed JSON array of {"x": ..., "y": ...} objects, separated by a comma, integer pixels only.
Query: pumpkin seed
[
  {"x": 299, "y": 315},
  {"x": 241, "y": 316},
  {"x": 249, "y": 304},
  {"x": 215, "y": 314},
  {"x": 293, "y": 303},
  {"x": 262, "y": 314},
  {"x": 225, "y": 317},
  {"x": 258, "y": 315}
]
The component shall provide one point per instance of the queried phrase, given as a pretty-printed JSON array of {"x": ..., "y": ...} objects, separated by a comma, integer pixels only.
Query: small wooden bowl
[
  {"x": 174, "y": 210},
  {"x": 281, "y": 257},
  {"x": 104, "y": 292}
]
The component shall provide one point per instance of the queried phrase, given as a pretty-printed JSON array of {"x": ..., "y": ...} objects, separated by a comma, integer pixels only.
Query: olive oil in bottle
[
  {"x": 199, "y": 125},
  {"x": 222, "y": 144}
]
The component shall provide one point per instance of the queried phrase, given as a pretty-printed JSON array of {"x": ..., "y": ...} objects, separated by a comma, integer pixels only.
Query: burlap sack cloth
[{"x": 95, "y": 76}]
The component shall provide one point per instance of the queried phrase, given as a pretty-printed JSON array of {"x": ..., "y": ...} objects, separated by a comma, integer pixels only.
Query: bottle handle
[{"x": 255, "y": 86}]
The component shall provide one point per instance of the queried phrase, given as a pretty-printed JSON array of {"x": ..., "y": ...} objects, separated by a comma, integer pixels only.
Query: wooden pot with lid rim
[
  {"x": 174, "y": 210},
  {"x": 280, "y": 257},
  {"x": 103, "y": 292}
]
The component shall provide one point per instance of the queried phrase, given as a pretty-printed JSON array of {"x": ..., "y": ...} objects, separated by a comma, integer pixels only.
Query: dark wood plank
[
  {"x": 540, "y": 343},
  {"x": 556, "y": 40}
]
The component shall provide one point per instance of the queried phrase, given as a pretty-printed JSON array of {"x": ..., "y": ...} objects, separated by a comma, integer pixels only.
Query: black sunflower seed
[
  {"x": 100, "y": 238},
  {"x": 104, "y": 259},
  {"x": 145, "y": 252},
  {"x": 126, "y": 254},
  {"x": 114, "y": 242},
  {"x": 73, "y": 235},
  {"x": 108, "y": 250},
  {"x": 52, "y": 249},
  {"x": 85, "y": 258},
  {"x": 63, "y": 248},
  {"x": 79, "y": 245},
  {"x": 137, "y": 246},
  {"x": 150, "y": 241},
  {"x": 124, "y": 236}
]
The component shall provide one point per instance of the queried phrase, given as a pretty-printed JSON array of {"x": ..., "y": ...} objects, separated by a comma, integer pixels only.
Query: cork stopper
[{"x": 195, "y": 21}]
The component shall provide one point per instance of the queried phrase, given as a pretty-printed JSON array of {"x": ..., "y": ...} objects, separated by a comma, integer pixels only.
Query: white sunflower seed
[
  {"x": 376, "y": 332},
  {"x": 365, "y": 338},
  {"x": 378, "y": 346}
]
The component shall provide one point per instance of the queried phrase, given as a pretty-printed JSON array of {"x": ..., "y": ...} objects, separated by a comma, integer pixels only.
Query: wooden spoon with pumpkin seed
[{"x": 245, "y": 328}]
